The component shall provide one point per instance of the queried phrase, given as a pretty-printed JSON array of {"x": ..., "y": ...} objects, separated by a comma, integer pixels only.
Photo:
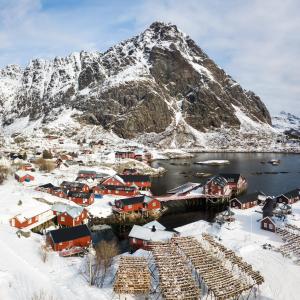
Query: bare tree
[
  {"x": 45, "y": 165},
  {"x": 43, "y": 251}
]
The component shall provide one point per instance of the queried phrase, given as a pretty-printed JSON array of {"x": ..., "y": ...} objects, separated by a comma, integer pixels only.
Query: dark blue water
[{"x": 248, "y": 164}]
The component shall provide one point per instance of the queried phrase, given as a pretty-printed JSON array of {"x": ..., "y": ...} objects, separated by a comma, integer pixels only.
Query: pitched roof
[
  {"x": 146, "y": 234},
  {"x": 72, "y": 184},
  {"x": 135, "y": 178},
  {"x": 71, "y": 210},
  {"x": 69, "y": 234},
  {"x": 79, "y": 195},
  {"x": 134, "y": 200},
  {"x": 231, "y": 177},
  {"x": 21, "y": 173},
  {"x": 292, "y": 193}
]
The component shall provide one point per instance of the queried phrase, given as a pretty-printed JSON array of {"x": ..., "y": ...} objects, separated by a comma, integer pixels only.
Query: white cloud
[{"x": 255, "y": 41}]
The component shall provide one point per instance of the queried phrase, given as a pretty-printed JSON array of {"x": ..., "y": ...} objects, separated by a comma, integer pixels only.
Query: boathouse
[
  {"x": 66, "y": 238},
  {"x": 136, "y": 204},
  {"x": 217, "y": 186},
  {"x": 141, "y": 181},
  {"x": 141, "y": 236},
  {"x": 245, "y": 202},
  {"x": 81, "y": 198},
  {"x": 24, "y": 176},
  {"x": 236, "y": 182},
  {"x": 289, "y": 197}
]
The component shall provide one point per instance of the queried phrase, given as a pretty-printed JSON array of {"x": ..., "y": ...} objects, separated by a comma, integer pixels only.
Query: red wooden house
[
  {"x": 236, "y": 182},
  {"x": 289, "y": 197},
  {"x": 124, "y": 154},
  {"x": 137, "y": 204},
  {"x": 28, "y": 219},
  {"x": 69, "y": 237},
  {"x": 27, "y": 167},
  {"x": 245, "y": 202},
  {"x": 24, "y": 176},
  {"x": 59, "y": 192},
  {"x": 268, "y": 223},
  {"x": 81, "y": 198},
  {"x": 46, "y": 188},
  {"x": 87, "y": 174},
  {"x": 141, "y": 181},
  {"x": 118, "y": 190},
  {"x": 68, "y": 215},
  {"x": 113, "y": 180},
  {"x": 141, "y": 236},
  {"x": 217, "y": 186},
  {"x": 74, "y": 186}
]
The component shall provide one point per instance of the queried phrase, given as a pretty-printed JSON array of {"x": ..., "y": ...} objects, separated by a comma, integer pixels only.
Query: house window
[
  {"x": 133, "y": 240},
  {"x": 271, "y": 226},
  {"x": 233, "y": 203},
  {"x": 130, "y": 206},
  {"x": 62, "y": 219},
  {"x": 265, "y": 225},
  {"x": 154, "y": 204}
]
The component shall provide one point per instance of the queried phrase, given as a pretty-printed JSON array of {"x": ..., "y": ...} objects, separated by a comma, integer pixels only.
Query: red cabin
[
  {"x": 23, "y": 176},
  {"x": 217, "y": 186},
  {"x": 81, "y": 198},
  {"x": 124, "y": 154},
  {"x": 236, "y": 182},
  {"x": 136, "y": 204},
  {"x": 59, "y": 192},
  {"x": 68, "y": 215},
  {"x": 289, "y": 197},
  {"x": 113, "y": 180},
  {"x": 246, "y": 202},
  {"x": 74, "y": 186},
  {"x": 116, "y": 190},
  {"x": 69, "y": 237},
  {"x": 86, "y": 174},
  {"x": 268, "y": 223},
  {"x": 24, "y": 220},
  {"x": 141, "y": 181}
]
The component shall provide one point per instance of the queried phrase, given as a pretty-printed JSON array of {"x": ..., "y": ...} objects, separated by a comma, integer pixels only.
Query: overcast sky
[{"x": 257, "y": 42}]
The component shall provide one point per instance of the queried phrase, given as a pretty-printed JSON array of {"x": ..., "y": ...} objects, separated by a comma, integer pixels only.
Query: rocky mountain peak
[{"x": 154, "y": 82}]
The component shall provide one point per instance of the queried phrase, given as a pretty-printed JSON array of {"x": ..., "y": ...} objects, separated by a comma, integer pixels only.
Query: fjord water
[{"x": 259, "y": 176}]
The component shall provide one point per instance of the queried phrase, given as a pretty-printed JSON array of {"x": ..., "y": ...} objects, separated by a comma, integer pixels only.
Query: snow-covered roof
[
  {"x": 184, "y": 188},
  {"x": 21, "y": 173},
  {"x": 73, "y": 211},
  {"x": 146, "y": 234},
  {"x": 157, "y": 225}
]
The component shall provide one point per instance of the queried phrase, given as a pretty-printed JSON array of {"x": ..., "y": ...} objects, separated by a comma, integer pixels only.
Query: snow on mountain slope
[{"x": 286, "y": 121}]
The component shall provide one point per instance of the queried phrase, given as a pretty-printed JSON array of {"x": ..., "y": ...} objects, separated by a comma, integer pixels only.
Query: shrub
[
  {"x": 47, "y": 154},
  {"x": 45, "y": 165}
]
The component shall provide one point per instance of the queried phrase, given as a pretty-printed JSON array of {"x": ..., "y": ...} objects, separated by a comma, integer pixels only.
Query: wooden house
[
  {"x": 31, "y": 218},
  {"x": 143, "y": 182},
  {"x": 137, "y": 204},
  {"x": 217, "y": 186},
  {"x": 24, "y": 176},
  {"x": 289, "y": 197},
  {"x": 267, "y": 222},
  {"x": 46, "y": 188},
  {"x": 74, "y": 186},
  {"x": 113, "y": 180},
  {"x": 87, "y": 174},
  {"x": 59, "y": 192},
  {"x": 27, "y": 167},
  {"x": 69, "y": 237},
  {"x": 236, "y": 182},
  {"x": 124, "y": 154},
  {"x": 118, "y": 190},
  {"x": 244, "y": 202},
  {"x": 81, "y": 198},
  {"x": 68, "y": 215},
  {"x": 141, "y": 236}
]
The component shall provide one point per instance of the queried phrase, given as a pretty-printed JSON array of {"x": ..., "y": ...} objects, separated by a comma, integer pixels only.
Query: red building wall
[
  {"x": 81, "y": 242},
  {"x": 83, "y": 201},
  {"x": 66, "y": 220}
]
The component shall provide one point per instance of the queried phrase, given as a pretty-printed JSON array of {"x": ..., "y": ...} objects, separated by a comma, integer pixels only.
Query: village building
[
  {"x": 46, "y": 188},
  {"x": 245, "y": 202},
  {"x": 130, "y": 172},
  {"x": 236, "y": 182},
  {"x": 141, "y": 236},
  {"x": 32, "y": 218},
  {"x": 268, "y": 222},
  {"x": 81, "y": 198},
  {"x": 113, "y": 180},
  {"x": 136, "y": 204},
  {"x": 59, "y": 192},
  {"x": 27, "y": 167},
  {"x": 119, "y": 190},
  {"x": 143, "y": 182},
  {"x": 124, "y": 154},
  {"x": 87, "y": 174},
  {"x": 68, "y": 215},
  {"x": 289, "y": 197},
  {"x": 69, "y": 237},
  {"x": 74, "y": 186},
  {"x": 24, "y": 176},
  {"x": 218, "y": 186}
]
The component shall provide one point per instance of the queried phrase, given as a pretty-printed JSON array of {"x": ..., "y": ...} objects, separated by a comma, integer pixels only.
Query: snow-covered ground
[{"x": 244, "y": 236}]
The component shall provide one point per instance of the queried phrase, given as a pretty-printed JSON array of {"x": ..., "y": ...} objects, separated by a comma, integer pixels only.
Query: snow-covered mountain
[
  {"x": 158, "y": 86},
  {"x": 287, "y": 123}
]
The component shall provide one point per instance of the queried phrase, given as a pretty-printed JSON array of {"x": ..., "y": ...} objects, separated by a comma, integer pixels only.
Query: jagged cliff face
[{"x": 142, "y": 85}]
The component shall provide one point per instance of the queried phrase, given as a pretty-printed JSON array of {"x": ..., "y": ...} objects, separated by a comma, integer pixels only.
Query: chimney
[{"x": 153, "y": 228}]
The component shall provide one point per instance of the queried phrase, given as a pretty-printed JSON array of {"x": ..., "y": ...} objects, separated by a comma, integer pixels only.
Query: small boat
[
  {"x": 199, "y": 174},
  {"x": 274, "y": 162}
]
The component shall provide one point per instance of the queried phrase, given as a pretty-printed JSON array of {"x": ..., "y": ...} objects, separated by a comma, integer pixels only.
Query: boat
[
  {"x": 274, "y": 162},
  {"x": 216, "y": 162}
]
